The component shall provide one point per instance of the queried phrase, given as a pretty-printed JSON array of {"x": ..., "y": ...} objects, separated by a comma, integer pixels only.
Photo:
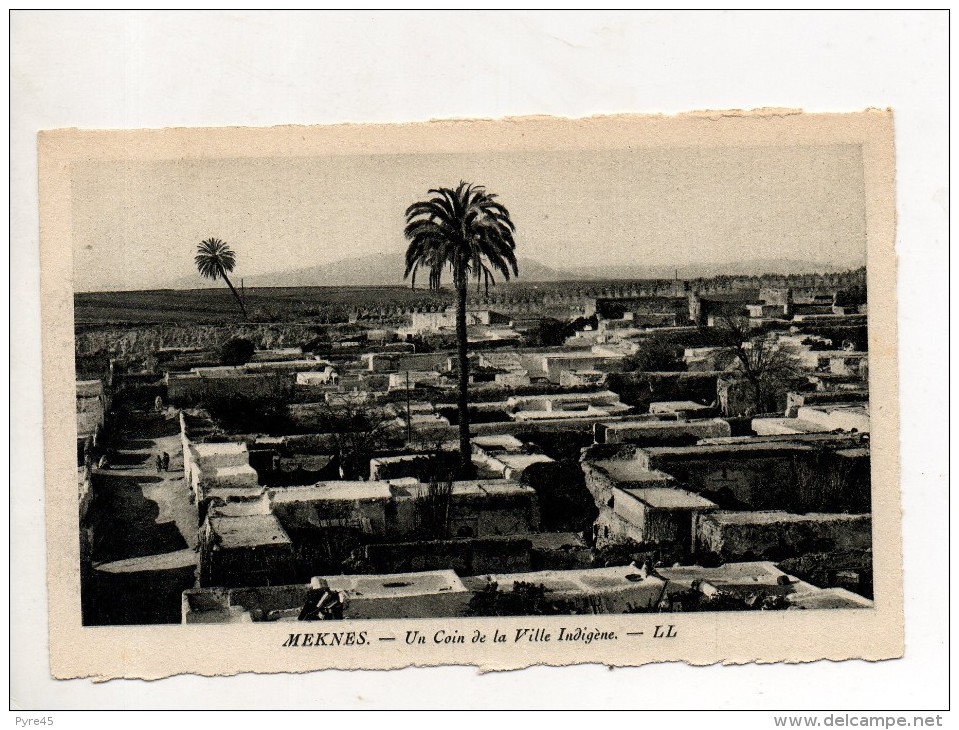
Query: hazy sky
[{"x": 136, "y": 225}]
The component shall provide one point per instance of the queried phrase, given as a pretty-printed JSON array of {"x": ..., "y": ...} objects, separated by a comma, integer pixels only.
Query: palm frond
[
  {"x": 463, "y": 228},
  {"x": 214, "y": 258}
]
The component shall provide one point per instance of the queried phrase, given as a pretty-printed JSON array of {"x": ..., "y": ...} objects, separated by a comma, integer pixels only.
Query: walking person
[
  {"x": 166, "y": 461},
  {"x": 159, "y": 463}
]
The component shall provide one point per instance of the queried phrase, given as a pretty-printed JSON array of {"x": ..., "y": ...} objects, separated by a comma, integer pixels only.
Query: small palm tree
[
  {"x": 214, "y": 259},
  {"x": 468, "y": 232}
]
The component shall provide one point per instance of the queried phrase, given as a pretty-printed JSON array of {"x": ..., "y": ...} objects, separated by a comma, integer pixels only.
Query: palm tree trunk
[
  {"x": 462, "y": 404},
  {"x": 236, "y": 295}
]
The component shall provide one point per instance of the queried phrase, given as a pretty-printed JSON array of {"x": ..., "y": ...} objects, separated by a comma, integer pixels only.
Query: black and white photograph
[
  {"x": 554, "y": 385},
  {"x": 438, "y": 386}
]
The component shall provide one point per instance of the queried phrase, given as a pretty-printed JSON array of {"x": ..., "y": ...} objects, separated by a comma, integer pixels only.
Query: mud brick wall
[
  {"x": 768, "y": 538},
  {"x": 260, "y": 565},
  {"x": 640, "y": 389},
  {"x": 465, "y": 556}
]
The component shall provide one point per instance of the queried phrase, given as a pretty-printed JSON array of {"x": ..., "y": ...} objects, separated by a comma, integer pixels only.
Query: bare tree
[
  {"x": 761, "y": 361},
  {"x": 359, "y": 428}
]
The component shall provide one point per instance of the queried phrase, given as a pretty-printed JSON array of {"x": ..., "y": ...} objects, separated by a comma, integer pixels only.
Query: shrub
[
  {"x": 525, "y": 599},
  {"x": 237, "y": 351},
  {"x": 565, "y": 503},
  {"x": 656, "y": 354},
  {"x": 630, "y": 551},
  {"x": 433, "y": 510},
  {"x": 239, "y": 413}
]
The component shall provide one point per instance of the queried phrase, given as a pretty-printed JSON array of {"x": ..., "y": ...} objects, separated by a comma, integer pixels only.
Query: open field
[
  {"x": 267, "y": 304},
  {"x": 280, "y": 304}
]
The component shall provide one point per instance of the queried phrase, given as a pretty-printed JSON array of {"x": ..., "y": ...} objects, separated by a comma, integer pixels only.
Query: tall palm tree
[
  {"x": 214, "y": 259},
  {"x": 468, "y": 232}
]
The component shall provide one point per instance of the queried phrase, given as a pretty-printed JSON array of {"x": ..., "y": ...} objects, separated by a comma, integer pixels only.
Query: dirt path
[{"x": 144, "y": 526}]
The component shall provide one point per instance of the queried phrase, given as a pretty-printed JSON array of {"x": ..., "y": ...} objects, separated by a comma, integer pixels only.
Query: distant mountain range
[
  {"x": 752, "y": 267},
  {"x": 369, "y": 270},
  {"x": 380, "y": 270}
]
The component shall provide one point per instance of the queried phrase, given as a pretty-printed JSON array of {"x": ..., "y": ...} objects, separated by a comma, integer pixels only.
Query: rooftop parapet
[
  {"x": 251, "y": 530},
  {"x": 431, "y": 594},
  {"x": 595, "y": 590},
  {"x": 667, "y": 499},
  {"x": 649, "y": 429}
]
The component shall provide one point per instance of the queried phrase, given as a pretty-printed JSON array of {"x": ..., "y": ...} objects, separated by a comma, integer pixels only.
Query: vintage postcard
[{"x": 491, "y": 393}]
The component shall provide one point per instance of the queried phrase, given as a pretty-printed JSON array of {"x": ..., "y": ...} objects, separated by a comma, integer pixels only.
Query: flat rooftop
[
  {"x": 857, "y": 452},
  {"x": 668, "y": 499},
  {"x": 854, "y": 395},
  {"x": 248, "y": 531},
  {"x": 856, "y": 407},
  {"x": 829, "y": 598},
  {"x": 794, "y": 425},
  {"x": 385, "y": 490},
  {"x": 504, "y": 441},
  {"x": 233, "y": 493},
  {"x": 219, "y": 448},
  {"x": 587, "y": 580},
  {"x": 647, "y": 423},
  {"x": 260, "y": 365},
  {"x": 748, "y": 445},
  {"x": 243, "y": 508},
  {"x": 677, "y": 405},
  {"x": 521, "y": 461},
  {"x": 797, "y": 439},
  {"x": 600, "y": 395},
  {"x": 332, "y": 491},
  {"x": 577, "y": 355},
  {"x": 629, "y": 470},
  {"x": 559, "y": 415},
  {"x": 400, "y": 458},
  {"x": 772, "y": 517},
  {"x": 216, "y": 370},
  {"x": 734, "y": 575},
  {"x": 395, "y": 585},
  {"x": 500, "y": 358},
  {"x": 224, "y": 472},
  {"x": 489, "y": 487},
  {"x": 843, "y": 354}
]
